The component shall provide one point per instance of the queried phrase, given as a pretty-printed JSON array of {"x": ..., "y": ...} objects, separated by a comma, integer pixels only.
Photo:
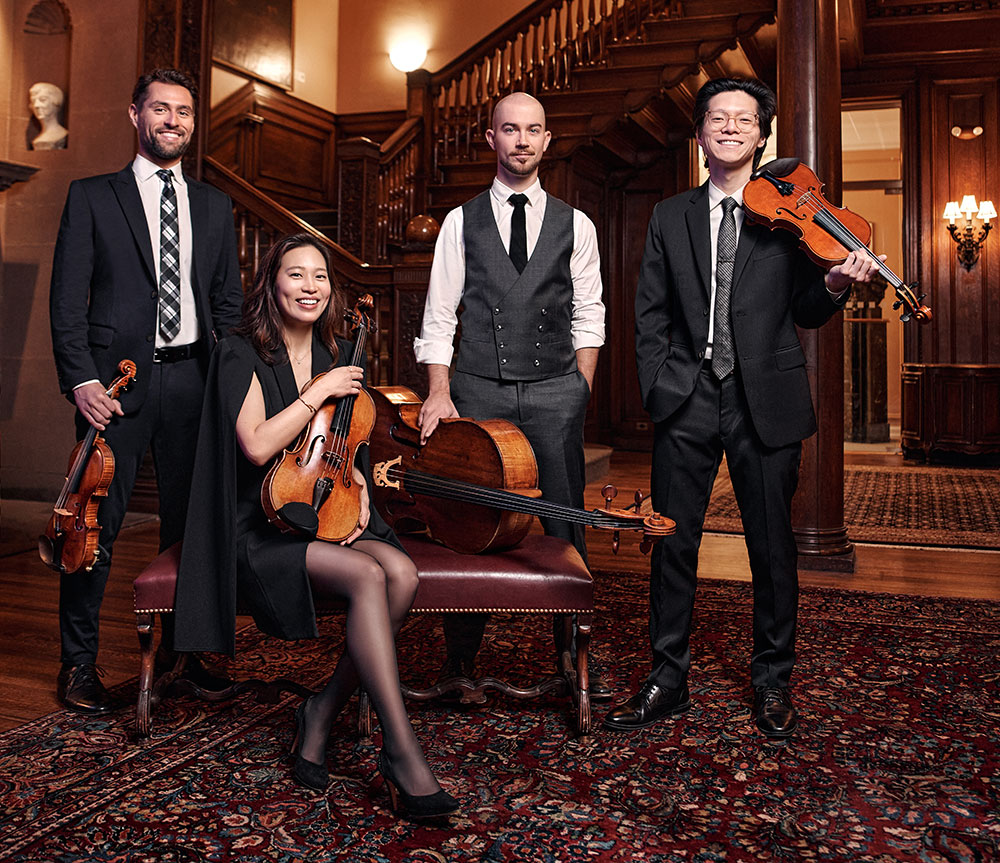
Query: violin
[
  {"x": 473, "y": 484},
  {"x": 69, "y": 543},
  {"x": 310, "y": 488},
  {"x": 786, "y": 194}
]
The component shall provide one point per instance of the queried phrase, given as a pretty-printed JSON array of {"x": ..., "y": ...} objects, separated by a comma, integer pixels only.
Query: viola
[
  {"x": 69, "y": 543},
  {"x": 310, "y": 488},
  {"x": 787, "y": 194},
  {"x": 473, "y": 484}
]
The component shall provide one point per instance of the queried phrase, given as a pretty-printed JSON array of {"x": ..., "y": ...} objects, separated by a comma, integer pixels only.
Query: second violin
[
  {"x": 787, "y": 194},
  {"x": 311, "y": 489}
]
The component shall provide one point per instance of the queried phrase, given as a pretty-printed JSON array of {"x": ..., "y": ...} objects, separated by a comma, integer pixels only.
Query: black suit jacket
[
  {"x": 103, "y": 297},
  {"x": 775, "y": 287}
]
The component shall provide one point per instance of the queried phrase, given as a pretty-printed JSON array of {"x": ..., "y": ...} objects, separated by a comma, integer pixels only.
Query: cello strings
[{"x": 451, "y": 489}]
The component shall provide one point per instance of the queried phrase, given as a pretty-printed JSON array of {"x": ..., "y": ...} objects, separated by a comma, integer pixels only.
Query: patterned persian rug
[
  {"x": 896, "y": 759},
  {"x": 901, "y": 506}
]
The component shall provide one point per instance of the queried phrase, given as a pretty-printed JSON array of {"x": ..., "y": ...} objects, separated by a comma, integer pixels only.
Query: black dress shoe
[
  {"x": 774, "y": 713},
  {"x": 649, "y": 705},
  {"x": 80, "y": 689}
]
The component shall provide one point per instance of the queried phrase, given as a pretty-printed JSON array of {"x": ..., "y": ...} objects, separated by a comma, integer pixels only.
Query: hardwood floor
[{"x": 29, "y": 650}]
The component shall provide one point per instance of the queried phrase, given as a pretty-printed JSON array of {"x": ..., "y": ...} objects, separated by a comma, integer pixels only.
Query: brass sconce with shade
[{"x": 969, "y": 245}]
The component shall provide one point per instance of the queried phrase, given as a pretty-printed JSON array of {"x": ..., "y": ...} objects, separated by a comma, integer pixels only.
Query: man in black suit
[
  {"x": 721, "y": 370},
  {"x": 145, "y": 268}
]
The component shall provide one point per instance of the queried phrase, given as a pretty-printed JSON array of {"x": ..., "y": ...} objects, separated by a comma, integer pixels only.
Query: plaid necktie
[
  {"x": 170, "y": 269},
  {"x": 723, "y": 356},
  {"x": 518, "y": 233}
]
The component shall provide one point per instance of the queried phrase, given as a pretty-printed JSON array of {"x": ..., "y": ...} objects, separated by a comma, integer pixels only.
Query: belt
[{"x": 176, "y": 353}]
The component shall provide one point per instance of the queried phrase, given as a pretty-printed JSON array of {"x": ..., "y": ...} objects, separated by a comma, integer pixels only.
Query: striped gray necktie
[
  {"x": 170, "y": 268},
  {"x": 723, "y": 356}
]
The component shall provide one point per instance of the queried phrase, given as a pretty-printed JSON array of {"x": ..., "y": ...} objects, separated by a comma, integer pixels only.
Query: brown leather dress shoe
[
  {"x": 194, "y": 671},
  {"x": 599, "y": 688},
  {"x": 648, "y": 706},
  {"x": 774, "y": 713},
  {"x": 79, "y": 688}
]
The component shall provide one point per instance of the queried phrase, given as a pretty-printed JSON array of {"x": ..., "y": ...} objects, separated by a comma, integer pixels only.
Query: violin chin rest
[
  {"x": 777, "y": 168},
  {"x": 300, "y": 517}
]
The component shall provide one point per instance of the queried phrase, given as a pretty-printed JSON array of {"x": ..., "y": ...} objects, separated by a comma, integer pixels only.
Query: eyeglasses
[{"x": 720, "y": 119}]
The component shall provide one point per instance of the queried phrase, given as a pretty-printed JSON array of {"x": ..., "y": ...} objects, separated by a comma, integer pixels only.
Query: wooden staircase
[{"x": 618, "y": 76}]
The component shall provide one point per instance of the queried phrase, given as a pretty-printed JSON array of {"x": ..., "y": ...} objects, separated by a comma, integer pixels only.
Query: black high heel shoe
[
  {"x": 435, "y": 805},
  {"x": 308, "y": 773}
]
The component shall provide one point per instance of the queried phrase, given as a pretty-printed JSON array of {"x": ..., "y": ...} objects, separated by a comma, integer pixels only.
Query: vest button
[
  {"x": 501, "y": 345},
  {"x": 499, "y": 326},
  {"x": 537, "y": 363},
  {"x": 150, "y": 338},
  {"x": 538, "y": 344},
  {"x": 496, "y": 311},
  {"x": 503, "y": 362},
  {"x": 545, "y": 311},
  {"x": 540, "y": 328},
  {"x": 152, "y": 295}
]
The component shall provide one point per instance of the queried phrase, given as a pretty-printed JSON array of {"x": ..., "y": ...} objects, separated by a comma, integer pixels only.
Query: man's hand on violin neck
[
  {"x": 95, "y": 405},
  {"x": 859, "y": 267}
]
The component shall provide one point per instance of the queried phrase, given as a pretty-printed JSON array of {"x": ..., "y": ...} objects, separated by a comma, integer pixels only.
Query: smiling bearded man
[{"x": 145, "y": 269}]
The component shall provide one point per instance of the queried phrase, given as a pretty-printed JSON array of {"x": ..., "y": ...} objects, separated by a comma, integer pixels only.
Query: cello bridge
[{"x": 380, "y": 473}]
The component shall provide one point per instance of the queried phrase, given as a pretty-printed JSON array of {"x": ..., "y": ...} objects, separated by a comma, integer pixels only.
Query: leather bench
[{"x": 541, "y": 576}]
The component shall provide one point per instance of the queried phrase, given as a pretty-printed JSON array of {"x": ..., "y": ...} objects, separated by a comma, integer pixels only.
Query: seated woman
[{"x": 256, "y": 404}]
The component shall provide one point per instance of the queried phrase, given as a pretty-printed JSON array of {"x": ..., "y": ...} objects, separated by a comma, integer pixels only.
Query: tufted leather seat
[{"x": 543, "y": 575}]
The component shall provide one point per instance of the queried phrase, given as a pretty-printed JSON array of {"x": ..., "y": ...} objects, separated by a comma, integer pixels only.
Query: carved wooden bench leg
[
  {"x": 144, "y": 627},
  {"x": 581, "y": 695}
]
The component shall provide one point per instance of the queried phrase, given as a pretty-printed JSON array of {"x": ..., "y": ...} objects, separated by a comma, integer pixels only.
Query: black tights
[{"x": 379, "y": 583}]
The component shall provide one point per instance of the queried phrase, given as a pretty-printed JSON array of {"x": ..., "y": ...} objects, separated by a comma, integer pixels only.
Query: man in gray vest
[{"x": 526, "y": 270}]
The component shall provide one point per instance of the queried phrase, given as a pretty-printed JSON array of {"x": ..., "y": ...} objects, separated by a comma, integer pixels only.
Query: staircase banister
[
  {"x": 401, "y": 138},
  {"x": 489, "y": 43},
  {"x": 245, "y": 195}
]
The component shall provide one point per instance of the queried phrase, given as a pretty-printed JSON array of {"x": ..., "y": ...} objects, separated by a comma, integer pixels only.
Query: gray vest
[{"x": 517, "y": 327}]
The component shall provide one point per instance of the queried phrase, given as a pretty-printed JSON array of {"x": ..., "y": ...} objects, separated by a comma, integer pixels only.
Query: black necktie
[
  {"x": 170, "y": 268},
  {"x": 518, "y": 233},
  {"x": 723, "y": 357}
]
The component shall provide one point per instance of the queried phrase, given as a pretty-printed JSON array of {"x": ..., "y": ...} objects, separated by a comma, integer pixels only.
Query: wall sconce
[
  {"x": 968, "y": 245},
  {"x": 407, "y": 54}
]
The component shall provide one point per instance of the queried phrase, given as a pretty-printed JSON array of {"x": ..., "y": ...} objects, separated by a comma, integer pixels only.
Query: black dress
[{"x": 231, "y": 554}]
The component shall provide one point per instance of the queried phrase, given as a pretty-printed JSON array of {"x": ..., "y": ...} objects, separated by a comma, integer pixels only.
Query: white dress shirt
[
  {"x": 151, "y": 190},
  {"x": 447, "y": 279}
]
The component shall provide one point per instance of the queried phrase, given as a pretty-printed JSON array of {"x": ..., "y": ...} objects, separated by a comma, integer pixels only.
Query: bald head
[
  {"x": 518, "y": 103},
  {"x": 519, "y": 138}
]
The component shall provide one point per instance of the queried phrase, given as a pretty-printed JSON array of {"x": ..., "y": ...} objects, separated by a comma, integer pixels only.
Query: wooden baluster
[
  {"x": 580, "y": 53},
  {"x": 522, "y": 64},
  {"x": 468, "y": 111},
  {"x": 592, "y": 46},
  {"x": 571, "y": 43}
]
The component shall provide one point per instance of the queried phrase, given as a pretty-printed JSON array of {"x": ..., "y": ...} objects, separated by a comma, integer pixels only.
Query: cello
[
  {"x": 69, "y": 542},
  {"x": 310, "y": 488},
  {"x": 473, "y": 484},
  {"x": 784, "y": 193}
]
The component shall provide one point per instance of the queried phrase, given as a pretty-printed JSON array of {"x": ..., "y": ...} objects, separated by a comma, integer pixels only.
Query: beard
[
  {"x": 155, "y": 147},
  {"x": 520, "y": 169}
]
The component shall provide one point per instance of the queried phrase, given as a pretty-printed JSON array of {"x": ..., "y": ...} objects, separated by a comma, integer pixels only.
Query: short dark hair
[
  {"x": 767, "y": 103},
  {"x": 164, "y": 76}
]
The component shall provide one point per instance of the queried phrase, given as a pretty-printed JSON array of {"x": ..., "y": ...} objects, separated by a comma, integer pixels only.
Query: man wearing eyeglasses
[{"x": 722, "y": 371}]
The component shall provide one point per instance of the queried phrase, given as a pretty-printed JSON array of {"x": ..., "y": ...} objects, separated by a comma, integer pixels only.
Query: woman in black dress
[{"x": 256, "y": 404}]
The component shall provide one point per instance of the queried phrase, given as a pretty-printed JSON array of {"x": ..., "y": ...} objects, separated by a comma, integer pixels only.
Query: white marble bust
[{"x": 46, "y": 101}]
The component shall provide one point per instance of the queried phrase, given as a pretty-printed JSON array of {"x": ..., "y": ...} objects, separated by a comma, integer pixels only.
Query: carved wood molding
[
  {"x": 14, "y": 172},
  {"x": 901, "y": 8}
]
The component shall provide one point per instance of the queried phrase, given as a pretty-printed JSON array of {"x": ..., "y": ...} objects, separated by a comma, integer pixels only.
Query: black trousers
[
  {"x": 687, "y": 452},
  {"x": 551, "y": 414},
  {"x": 167, "y": 422}
]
